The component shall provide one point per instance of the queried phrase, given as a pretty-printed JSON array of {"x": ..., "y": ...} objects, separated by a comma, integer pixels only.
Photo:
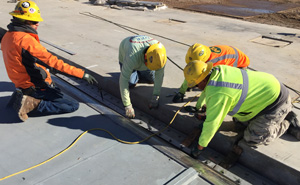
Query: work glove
[
  {"x": 190, "y": 109},
  {"x": 178, "y": 96},
  {"x": 200, "y": 115},
  {"x": 195, "y": 152},
  {"x": 129, "y": 111},
  {"x": 154, "y": 102},
  {"x": 89, "y": 78}
]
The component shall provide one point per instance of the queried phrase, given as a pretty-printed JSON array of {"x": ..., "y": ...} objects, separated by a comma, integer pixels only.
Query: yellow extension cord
[{"x": 122, "y": 141}]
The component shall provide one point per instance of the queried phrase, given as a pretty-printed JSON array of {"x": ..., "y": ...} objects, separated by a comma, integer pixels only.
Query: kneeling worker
[
  {"x": 141, "y": 58},
  {"x": 255, "y": 98},
  {"x": 26, "y": 62}
]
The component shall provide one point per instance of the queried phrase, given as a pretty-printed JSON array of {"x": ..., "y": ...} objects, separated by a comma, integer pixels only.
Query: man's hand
[
  {"x": 178, "y": 97},
  {"x": 89, "y": 78},
  {"x": 129, "y": 111},
  {"x": 154, "y": 102},
  {"x": 200, "y": 116},
  {"x": 196, "y": 151}
]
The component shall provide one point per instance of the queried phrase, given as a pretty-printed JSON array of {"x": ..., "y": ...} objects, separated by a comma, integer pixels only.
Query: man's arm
[
  {"x": 183, "y": 87},
  {"x": 159, "y": 76},
  {"x": 217, "y": 107},
  {"x": 46, "y": 59},
  {"x": 123, "y": 82}
]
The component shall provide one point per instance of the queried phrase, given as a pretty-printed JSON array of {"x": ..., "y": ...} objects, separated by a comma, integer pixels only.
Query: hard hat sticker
[
  {"x": 151, "y": 59},
  {"x": 215, "y": 49},
  {"x": 20, "y": 11},
  {"x": 201, "y": 52},
  {"x": 25, "y": 4},
  {"x": 31, "y": 10}
]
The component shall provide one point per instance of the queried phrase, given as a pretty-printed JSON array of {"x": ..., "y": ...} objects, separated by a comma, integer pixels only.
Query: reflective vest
[{"x": 228, "y": 55}]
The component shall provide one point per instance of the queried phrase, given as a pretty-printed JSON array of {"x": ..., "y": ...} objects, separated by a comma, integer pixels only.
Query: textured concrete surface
[
  {"x": 96, "y": 39},
  {"x": 96, "y": 158}
]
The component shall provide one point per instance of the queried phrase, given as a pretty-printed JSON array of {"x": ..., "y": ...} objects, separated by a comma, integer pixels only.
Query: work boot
[
  {"x": 294, "y": 128},
  {"x": 294, "y": 131},
  {"x": 292, "y": 118},
  {"x": 25, "y": 104}
]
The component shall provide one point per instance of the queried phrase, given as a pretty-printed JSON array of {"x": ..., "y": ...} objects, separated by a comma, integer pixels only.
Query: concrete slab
[
  {"x": 96, "y": 39},
  {"x": 96, "y": 158}
]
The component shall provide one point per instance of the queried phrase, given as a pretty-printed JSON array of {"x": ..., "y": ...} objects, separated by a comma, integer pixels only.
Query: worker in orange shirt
[
  {"x": 27, "y": 61},
  {"x": 218, "y": 55}
]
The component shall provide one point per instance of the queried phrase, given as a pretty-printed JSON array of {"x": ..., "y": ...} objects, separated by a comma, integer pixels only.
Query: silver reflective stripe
[
  {"x": 243, "y": 95},
  {"x": 225, "y": 84},
  {"x": 235, "y": 56},
  {"x": 243, "y": 87}
]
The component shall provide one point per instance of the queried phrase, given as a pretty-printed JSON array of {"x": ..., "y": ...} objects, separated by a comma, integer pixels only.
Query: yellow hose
[{"x": 122, "y": 141}]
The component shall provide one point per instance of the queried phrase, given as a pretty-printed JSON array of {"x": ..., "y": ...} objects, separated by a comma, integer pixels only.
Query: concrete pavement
[{"x": 96, "y": 41}]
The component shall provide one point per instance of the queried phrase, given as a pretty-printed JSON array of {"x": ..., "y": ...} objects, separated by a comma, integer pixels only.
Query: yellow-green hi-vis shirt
[{"x": 236, "y": 92}]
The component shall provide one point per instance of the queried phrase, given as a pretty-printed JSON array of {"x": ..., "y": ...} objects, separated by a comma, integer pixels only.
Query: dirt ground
[{"x": 287, "y": 18}]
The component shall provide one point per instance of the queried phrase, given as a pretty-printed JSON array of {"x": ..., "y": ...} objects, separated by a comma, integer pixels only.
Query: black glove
[
  {"x": 200, "y": 115},
  {"x": 195, "y": 152},
  {"x": 154, "y": 103},
  {"x": 190, "y": 109},
  {"x": 179, "y": 96},
  {"x": 89, "y": 78}
]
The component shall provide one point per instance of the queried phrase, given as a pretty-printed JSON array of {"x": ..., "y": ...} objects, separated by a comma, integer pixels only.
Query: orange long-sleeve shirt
[{"x": 26, "y": 61}]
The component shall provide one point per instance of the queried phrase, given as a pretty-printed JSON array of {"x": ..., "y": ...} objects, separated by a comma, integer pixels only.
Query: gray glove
[
  {"x": 190, "y": 109},
  {"x": 89, "y": 78},
  {"x": 129, "y": 111},
  {"x": 178, "y": 96},
  {"x": 154, "y": 102}
]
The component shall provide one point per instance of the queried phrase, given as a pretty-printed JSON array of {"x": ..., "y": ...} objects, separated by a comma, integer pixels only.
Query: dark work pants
[
  {"x": 147, "y": 76},
  {"x": 54, "y": 101}
]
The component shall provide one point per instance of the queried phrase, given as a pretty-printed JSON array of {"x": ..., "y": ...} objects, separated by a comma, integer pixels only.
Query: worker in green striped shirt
[
  {"x": 141, "y": 58},
  {"x": 256, "y": 99}
]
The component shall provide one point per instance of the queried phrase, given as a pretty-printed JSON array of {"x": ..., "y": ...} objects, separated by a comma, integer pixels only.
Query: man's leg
[
  {"x": 24, "y": 104},
  {"x": 266, "y": 128},
  {"x": 147, "y": 76},
  {"x": 54, "y": 101},
  {"x": 134, "y": 78}
]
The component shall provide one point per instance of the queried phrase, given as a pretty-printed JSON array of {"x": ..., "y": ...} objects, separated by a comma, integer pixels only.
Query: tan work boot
[{"x": 25, "y": 104}]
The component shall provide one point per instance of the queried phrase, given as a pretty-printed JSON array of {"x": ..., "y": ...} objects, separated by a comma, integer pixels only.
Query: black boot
[
  {"x": 294, "y": 128},
  {"x": 294, "y": 132}
]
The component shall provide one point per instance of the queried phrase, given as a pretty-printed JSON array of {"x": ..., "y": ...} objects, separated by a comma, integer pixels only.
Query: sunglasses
[{"x": 34, "y": 22}]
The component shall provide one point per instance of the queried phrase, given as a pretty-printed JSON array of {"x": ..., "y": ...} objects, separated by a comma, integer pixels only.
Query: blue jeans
[
  {"x": 147, "y": 76},
  {"x": 54, "y": 101}
]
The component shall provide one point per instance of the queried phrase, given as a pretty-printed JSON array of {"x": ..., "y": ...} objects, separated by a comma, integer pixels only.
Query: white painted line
[{"x": 91, "y": 66}]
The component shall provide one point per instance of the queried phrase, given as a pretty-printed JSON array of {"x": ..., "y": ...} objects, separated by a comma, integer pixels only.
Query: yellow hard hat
[
  {"x": 196, "y": 71},
  {"x": 156, "y": 57},
  {"x": 27, "y": 10},
  {"x": 197, "y": 52}
]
